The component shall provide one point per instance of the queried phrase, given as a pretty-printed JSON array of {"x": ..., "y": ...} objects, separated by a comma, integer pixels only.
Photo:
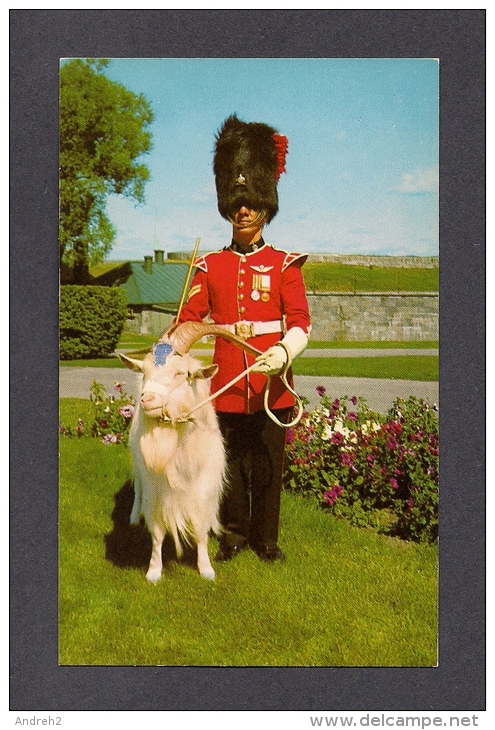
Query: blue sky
[{"x": 362, "y": 168}]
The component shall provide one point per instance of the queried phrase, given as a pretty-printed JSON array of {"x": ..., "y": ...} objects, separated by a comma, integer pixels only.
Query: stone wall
[
  {"x": 362, "y": 317},
  {"x": 393, "y": 262},
  {"x": 346, "y": 317},
  {"x": 148, "y": 322}
]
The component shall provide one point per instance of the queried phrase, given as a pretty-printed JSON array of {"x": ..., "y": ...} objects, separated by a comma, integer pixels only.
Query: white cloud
[{"x": 420, "y": 181}]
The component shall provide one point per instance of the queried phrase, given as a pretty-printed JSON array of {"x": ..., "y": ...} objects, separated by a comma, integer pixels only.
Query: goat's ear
[
  {"x": 129, "y": 362},
  {"x": 205, "y": 373}
]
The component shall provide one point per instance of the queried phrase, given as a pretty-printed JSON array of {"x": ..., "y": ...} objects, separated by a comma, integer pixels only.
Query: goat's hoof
[
  {"x": 153, "y": 576},
  {"x": 208, "y": 574}
]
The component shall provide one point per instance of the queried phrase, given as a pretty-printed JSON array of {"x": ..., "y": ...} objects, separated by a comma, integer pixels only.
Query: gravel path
[
  {"x": 349, "y": 352},
  {"x": 75, "y": 382}
]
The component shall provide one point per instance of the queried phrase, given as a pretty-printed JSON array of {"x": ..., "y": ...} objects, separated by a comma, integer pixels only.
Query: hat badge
[{"x": 241, "y": 180}]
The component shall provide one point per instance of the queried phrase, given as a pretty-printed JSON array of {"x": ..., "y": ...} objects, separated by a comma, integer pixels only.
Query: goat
[{"x": 179, "y": 460}]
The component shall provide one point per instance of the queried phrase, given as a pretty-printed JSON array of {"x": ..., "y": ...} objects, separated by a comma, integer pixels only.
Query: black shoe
[
  {"x": 226, "y": 553},
  {"x": 270, "y": 553}
]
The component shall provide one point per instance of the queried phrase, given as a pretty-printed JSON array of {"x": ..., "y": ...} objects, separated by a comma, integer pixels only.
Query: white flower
[
  {"x": 353, "y": 437},
  {"x": 375, "y": 426},
  {"x": 364, "y": 427},
  {"x": 338, "y": 427},
  {"x": 326, "y": 434}
]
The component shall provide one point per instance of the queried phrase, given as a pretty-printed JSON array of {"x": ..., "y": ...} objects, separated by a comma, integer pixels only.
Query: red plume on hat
[
  {"x": 248, "y": 161},
  {"x": 281, "y": 147}
]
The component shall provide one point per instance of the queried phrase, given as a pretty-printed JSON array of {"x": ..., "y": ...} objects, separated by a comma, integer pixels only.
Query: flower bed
[
  {"x": 112, "y": 416},
  {"x": 373, "y": 470}
]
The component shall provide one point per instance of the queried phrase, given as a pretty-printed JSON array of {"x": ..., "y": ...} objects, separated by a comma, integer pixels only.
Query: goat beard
[{"x": 182, "y": 460}]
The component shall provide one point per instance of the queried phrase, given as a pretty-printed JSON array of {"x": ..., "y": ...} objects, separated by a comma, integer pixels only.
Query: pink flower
[
  {"x": 332, "y": 495},
  {"x": 127, "y": 411},
  {"x": 110, "y": 438},
  {"x": 392, "y": 443},
  {"x": 352, "y": 416},
  {"x": 354, "y": 400},
  {"x": 345, "y": 459},
  {"x": 394, "y": 483},
  {"x": 321, "y": 390}
]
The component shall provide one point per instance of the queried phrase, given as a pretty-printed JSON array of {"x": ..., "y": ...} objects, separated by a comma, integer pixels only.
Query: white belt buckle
[{"x": 244, "y": 330}]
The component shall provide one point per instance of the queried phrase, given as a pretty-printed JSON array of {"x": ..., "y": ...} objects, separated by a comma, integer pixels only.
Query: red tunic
[{"x": 263, "y": 286}]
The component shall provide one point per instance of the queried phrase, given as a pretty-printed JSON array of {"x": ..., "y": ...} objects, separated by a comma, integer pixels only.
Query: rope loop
[{"x": 283, "y": 377}]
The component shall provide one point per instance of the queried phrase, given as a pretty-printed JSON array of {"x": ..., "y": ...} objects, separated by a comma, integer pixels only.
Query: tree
[{"x": 103, "y": 134}]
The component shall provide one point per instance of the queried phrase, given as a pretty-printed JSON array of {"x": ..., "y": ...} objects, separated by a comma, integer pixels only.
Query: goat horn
[{"x": 186, "y": 334}]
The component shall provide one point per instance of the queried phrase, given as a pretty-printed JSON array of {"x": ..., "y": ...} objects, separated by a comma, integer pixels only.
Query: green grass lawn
[
  {"x": 344, "y": 596},
  {"x": 328, "y": 277},
  {"x": 325, "y": 276},
  {"x": 407, "y": 367},
  {"x": 128, "y": 340},
  {"x": 397, "y": 367}
]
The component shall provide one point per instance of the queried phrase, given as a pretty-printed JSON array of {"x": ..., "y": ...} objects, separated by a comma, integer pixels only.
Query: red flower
[
  {"x": 332, "y": 495},
  {"x": 346, "y": 459},
  {"x": 392, "y": 443}
]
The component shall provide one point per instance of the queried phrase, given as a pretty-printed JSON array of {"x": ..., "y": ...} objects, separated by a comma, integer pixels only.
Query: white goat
[{"x": 179, "y": 462}]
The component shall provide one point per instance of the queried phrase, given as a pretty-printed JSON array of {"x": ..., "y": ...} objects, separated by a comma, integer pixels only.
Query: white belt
[{"x": 246, "y": 330}]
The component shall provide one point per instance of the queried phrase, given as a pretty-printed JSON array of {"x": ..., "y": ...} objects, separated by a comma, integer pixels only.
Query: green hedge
[{"x": 91, "y": 321}]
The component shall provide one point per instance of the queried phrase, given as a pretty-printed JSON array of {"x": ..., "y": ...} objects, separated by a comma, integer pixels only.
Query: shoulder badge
[
  {"x": 201, "y": 262},
  {"x": 292, "y": 258}
]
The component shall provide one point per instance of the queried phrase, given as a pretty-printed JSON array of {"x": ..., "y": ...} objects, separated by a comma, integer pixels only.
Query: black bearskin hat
[{"x": 248, "y": 161}]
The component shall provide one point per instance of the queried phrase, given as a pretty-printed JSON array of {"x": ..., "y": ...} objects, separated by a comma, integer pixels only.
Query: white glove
[{"x": 273, "y": 360}]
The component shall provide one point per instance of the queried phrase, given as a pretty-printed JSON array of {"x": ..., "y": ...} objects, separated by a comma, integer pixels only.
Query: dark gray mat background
[{"x": 38, "y": 39}]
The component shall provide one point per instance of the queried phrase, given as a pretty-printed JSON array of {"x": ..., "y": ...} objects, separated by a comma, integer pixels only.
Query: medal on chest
[{"x": 261, "y": 287}]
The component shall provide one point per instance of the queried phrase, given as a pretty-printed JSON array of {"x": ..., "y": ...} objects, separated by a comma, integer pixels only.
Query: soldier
[{"x": 257, "y": 292}]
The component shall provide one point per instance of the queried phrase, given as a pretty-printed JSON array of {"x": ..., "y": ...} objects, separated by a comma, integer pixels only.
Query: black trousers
[{"x": 255, "y": 445}]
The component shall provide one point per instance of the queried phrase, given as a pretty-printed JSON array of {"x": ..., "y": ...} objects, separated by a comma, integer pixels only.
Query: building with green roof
[{"x": 153, "y": 290}]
